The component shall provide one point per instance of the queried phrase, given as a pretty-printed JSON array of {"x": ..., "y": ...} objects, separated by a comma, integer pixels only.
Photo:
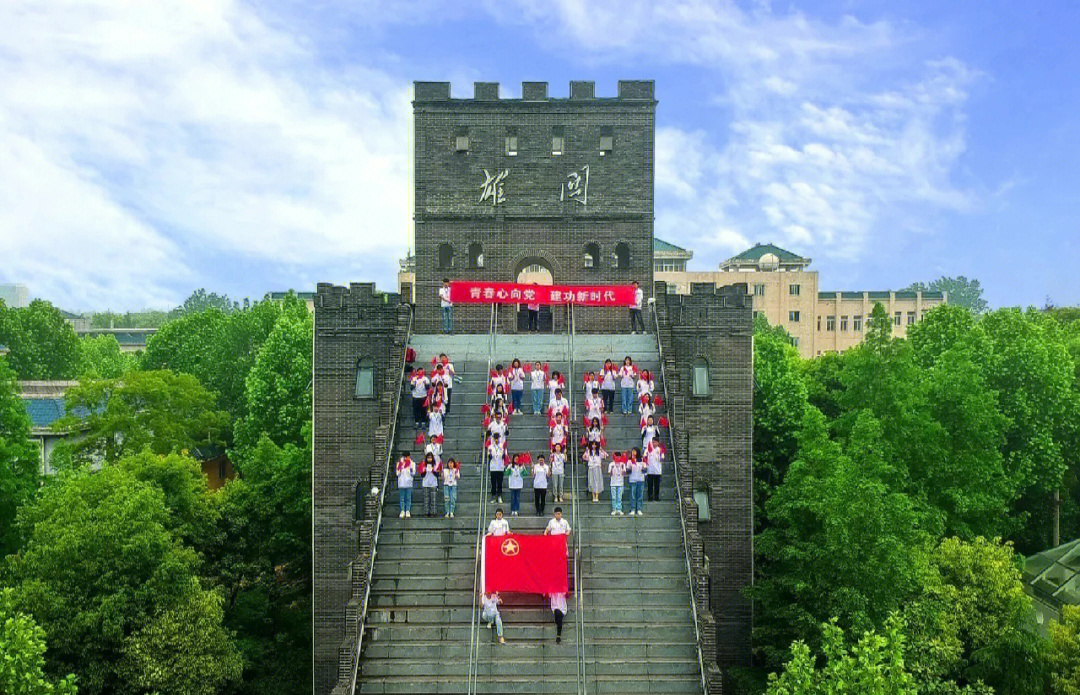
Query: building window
[
  {"x": 622, "y": 256},
  {"x": 795, "y": 341},
  {"x": 701, "y": 377},
  {"x": 896, "y": 319},
  {"x": 911, "y": 317},
  {"x": 607, "y": 140},
  {"x": 856, "y": 323},
  {"x": 701, "y": 499},
  {"x": 365, "y": 378},
  {"x": 446, "y": 256},
  {"x": 819, "y": 323},
  {"x": 843, "y": 323},
  {"x": 476, "y": 255},
  {"x": 756, "y": 314},
  {"x": 830, "y": 323},
  {"x": 759, "y": 289},
  {"x": 511, "y": 145},
  {"x": 558, "y": 140},
  {"x": 793, "y": 316},
  {"x": 461, "y": 140},
  {"x": 793, "y": 290},
  {"x": 592, "y": 254}
]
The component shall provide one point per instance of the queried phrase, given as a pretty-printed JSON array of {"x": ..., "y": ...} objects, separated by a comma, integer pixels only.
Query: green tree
[
  {"x": 184, "y": 344},
  {"x": 42, "y": 344},
  {"x": 132, "y": 319},
  {"x": 194, "y": 514},
  {"x": 100, "y": 357},
  {"x": 963, "y": 291},
  {"x": 842, "y": 540},
  {"x": 780, "y": 400},
  {"x": 22, "y": 655},
  {"x": 159, "y": 410},
  {"x": 106, "y": 579},
  {"x": 278, "y": 387},
  {"x": 874, "y": 665},
  {"x": 201, "y": 300},
  {"x": 822, "y": 378},
  {"x": 1064, "y": 657},
  {"x": 19, "y": 458},
  {"x": 265, "y": 566}
]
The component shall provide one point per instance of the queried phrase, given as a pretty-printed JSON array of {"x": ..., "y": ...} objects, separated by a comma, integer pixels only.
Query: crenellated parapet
[{"x": 580, "y": 90}]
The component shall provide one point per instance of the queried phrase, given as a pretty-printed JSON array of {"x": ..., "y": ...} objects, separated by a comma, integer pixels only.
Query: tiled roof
[
  {"x": 759, "y": 250},
  {"x": 44, "y": 412},
  {"x": 661, "y": 245}
]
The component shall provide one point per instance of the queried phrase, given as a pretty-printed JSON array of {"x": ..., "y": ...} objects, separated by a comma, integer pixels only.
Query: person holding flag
[
  {"x": 498, "y": 526},
  {"x": 654, "y": 458},
  {"x": 594, "y": 458},
  {"x": 617, "y": 471},
  {"x": 558, "y": 472},
  {"x": 496, "y": 450},
  {"x": 405, "y": 470},
  {"x": 431, "y": 470},
  {"x": 516, "y": 481},
  {"x": 628, "y": 382},
  {"x": 636, "y": 469},
  {"x": 537, "y": 384},
  {"x": 607, "y": 385},
  {"x": 540, "y": 472},
  {"x": 517, "y": 385},
  {"x": 451, "y": 475}
]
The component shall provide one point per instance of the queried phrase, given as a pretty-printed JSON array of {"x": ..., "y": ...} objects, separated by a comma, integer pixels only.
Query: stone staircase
[{"x": 638, "y": 628}]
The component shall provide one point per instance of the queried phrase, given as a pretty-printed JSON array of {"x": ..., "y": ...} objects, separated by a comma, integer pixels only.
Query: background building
[
  {"x": 786, "y": 292},
  {"x": 14, "y": 296}
]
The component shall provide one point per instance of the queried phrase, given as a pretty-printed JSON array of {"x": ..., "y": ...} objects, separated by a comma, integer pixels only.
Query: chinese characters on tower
[
  {"x": 576, "y": 186},
  {"x": 492, "y": 187}
]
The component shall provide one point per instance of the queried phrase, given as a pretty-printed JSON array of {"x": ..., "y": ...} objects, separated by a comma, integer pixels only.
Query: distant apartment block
[{"x": 14, "y": 296}]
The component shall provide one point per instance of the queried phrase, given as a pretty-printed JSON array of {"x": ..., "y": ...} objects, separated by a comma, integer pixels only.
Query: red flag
[
  {"x": 420, "y": 438},
  {"x": 663, "y": 421},
  {"x": 604, "y": 419},
  {"x": 439, "y": 439},
  {"x": 530, "y": 564},
  {"x": 528, "y": 367},
  {"x": 434, "y": 361},
  {"x": 658, "y": 402},
  {"x": 485, "y": 409},
  {"x": 545, "y": 367}
]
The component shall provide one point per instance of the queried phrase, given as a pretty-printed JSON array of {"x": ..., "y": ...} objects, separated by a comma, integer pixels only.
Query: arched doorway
[{"x": 534, "y": 271}]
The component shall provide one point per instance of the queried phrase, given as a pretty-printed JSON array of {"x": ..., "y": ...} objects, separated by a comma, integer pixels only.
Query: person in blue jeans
[
  {"x": 538, "y": 386},
  {"x": 447, "y": 307},
  {"x": 451, "y": 473},
  {"x": 516, "y": 375},
  {"x": 637, "y": 469},
  {"x": 489, "y": 607},
  {"x": 515, "y": 481},
  {"x": 628, "y": 382},
  {"x": 616, "y": 469}
]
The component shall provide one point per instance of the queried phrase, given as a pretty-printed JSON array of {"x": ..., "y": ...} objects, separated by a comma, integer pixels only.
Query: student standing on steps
[
  {"x": 649, "y": 431},
  {"x": 558, "y": 472},
  {"x": 540, "y": 472},
  {"x": 516, "y": 481},
  {"x": 617, "y": 471},
  {"x": 635, "y": 310},
  {"x": 489, "y": 607},
  {"x": 406, "y": 470},
  {"x": 496, "y": 465},
  {"x": 431, "y": 471},
  {"x": 419, "y": 383},
  {"x": 448, "y": 379},
  {"x": 628, "y": 382},
  {"x": 636, "y": 468},
  {"x": 607, "y": 385},
  {"x": 654, "y": 457},
  {"x": 517, "y": 385},
  {"x": 537, "y": 386},
  {"x": 498, "y": 526},
  {"x": 450, "y": 475},
  {"x": 594, "y": 458},
  {"x": 557, "y": 525}
]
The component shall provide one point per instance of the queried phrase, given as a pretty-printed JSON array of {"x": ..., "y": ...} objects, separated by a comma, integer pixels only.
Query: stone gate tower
[{"x": 504, "y": 185}]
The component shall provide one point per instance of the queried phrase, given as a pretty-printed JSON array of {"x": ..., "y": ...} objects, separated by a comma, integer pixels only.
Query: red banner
[
  {"x": 469, "y": 292},
  {"x": 526, "y": 564}
]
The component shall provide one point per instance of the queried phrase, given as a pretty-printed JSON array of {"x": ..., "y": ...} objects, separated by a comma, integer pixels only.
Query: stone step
[
  {"x": 674, "y": 684},
  {"x": 659, "y": 631},
  {"x": 527, "y": 649},
  {"x": 424, "y": 569},
  {"x": 598, "y": 599}
]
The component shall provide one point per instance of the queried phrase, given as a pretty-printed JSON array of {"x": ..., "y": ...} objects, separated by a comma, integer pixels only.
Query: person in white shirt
[
  {"x": 559, "y": 405},
  {"x": 594, "y": 405},
  {"x": 557, "y": 525},
  {"x": 515, "y": 475},
  {"x": 434, "y": 447},
  {"x": 558, "y": 609},
  {"x": 647, "y": 408},
  {"x": 534, "y": 316},
  {"x": 635, "y": 310},
  {"x": 636, "y": 469},
  {"x": 451, "y": 474},
  {"x": 435, "y": 416},
  {"x": 448, "y": 379},
  {"x": 517, "y": 384},
  {"x": 645, "y": 384},
  {"x": 559, "y": 430},
  {"x": 498, "y": 378},
  {"x": 607, "y": 385},
  {"x": 594, "y": 458},
  {"x": 405, "y": 470},
  {"x": 431, "y": 471},
  {"x": 496, "y": 465},
  {"x": 555, "y": 384},
  {"x": 592, "y": 383},
  {"x": 654, "y": 457},
  {"x": 498, "y": 425},
  {"x": 595, "y": 433},
  {"x": 649, "y": 431},
  {"x": 540, "y": 472},
  {"x": 536, "y": 385},
  {"x": 558, "y": 472},
  {"x": 498, "y": 526},
  {"x": 617, "y": 471},
  {"x": 627, "y": 380},
  {"x": 419, "y": 383},
  {"x": 447, "y": 307},
  {"x": 489, "y": 613}
]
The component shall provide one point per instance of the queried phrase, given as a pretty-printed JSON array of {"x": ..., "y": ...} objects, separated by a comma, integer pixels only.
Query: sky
[{"x": 151, "y": 148}]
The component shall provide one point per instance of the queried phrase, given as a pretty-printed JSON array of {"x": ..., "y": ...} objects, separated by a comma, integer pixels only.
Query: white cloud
[
  {"x": 181, "y": 130},
  {"x": 837, "y": 131}
]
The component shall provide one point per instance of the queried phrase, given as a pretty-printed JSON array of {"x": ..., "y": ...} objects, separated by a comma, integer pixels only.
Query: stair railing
[
  {"x": 390, "y": 441},
  {"x": 679, "y": 501},
  {"x": 578, "y": 523},
  {"x": 481, "y": 516}
]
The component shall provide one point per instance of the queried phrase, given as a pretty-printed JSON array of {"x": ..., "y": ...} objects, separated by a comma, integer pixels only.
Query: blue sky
[{"x": 147, "y": 149}]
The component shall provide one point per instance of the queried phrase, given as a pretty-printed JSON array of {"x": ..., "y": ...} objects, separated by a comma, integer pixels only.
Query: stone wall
[
  {"x": 529, "y": 217},
  {"x": 714, "y": 434},
  {"x": 350, "y": 436}
]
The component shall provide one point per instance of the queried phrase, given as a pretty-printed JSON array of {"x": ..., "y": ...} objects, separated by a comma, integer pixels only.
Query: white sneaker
[
  {"x": 500, "y": 500},
  {"x": 451, "y": 515},
  {"x": 408, "y": 515},
  {"x": 640, "y": 513},
  {"x": 621, "y": 514},
  {"x": 613, "y": 512},
  {"x": 401, "y": 515}
]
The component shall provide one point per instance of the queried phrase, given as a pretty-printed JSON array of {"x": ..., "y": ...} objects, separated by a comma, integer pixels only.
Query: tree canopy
[{"x": 42, "y": 344}]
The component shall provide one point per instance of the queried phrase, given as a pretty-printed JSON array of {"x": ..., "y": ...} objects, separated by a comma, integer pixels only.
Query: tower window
[
  {"x": 461, "y": 140},
  {"x": 446, "y": 256},
  {"x": 511, "y": 145},
  {"x": 592, "y": 254},
  {"x": 759, "y": 289},
  {"x": 793, "y": 316},
  {"x": 607, "y": 140},
  {"x": 700, "y": 385},
  {"x": 476, "y": 255},
  {"x": 558, "y": 140},
  {"x": 794, "y": 290},
  {"x": 365, "y": 378},
  {"x": 622, "y": 255}
]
